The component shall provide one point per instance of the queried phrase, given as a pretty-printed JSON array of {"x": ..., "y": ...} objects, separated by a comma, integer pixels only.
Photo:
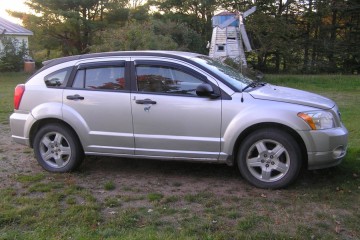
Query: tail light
[{"x": 19, "y": 91}]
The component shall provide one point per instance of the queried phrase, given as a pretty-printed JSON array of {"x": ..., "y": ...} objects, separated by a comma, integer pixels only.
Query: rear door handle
[
  {"x": 145, "y": 101},
  {"x": 75, "y": 97}
]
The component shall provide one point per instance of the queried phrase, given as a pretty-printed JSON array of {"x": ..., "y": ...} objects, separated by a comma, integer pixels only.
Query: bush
[
  {"x": 12, "y": 54},
  {"x": 147, "y": 35}
]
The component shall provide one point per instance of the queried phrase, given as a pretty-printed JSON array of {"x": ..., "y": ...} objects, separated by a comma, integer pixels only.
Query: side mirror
[{"x": 206, "y": 90}]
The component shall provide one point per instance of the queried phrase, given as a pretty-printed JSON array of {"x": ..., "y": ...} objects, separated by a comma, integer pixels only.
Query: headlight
[{"x": 318, "y": 119}]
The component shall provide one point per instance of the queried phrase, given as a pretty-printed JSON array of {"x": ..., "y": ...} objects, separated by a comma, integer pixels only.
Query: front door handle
[
  {"x": 145, "y": 101},
  {"x": 75, "y": 97}
]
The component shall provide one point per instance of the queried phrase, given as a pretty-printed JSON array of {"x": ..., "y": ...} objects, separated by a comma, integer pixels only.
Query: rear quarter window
[{"x": 57, "y": 78}]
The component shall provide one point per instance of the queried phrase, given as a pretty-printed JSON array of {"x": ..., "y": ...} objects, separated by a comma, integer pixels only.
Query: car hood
[{"x": 290, "y": 95}]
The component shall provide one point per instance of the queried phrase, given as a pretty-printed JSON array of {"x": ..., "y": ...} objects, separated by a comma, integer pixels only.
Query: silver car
[{"x": 174, "y": 106}]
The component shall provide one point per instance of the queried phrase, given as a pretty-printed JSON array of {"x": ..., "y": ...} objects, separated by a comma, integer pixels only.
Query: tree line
[{"x": 288, "y": 36}]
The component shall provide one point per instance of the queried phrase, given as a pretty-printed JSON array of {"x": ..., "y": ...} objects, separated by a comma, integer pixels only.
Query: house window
[{"x": 221, "y": 48}]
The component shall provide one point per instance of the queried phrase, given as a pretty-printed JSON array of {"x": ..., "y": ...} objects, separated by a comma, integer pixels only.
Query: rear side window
[
  {"x": 58, "y": 78},
  {"x": 110, "y": 78}
]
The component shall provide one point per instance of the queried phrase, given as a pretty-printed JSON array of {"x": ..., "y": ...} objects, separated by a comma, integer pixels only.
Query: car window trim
[{"x": 91, "y": 65}]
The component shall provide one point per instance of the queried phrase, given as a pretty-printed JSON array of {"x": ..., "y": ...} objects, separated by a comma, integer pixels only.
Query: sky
[{"x": 14, "y": 5}]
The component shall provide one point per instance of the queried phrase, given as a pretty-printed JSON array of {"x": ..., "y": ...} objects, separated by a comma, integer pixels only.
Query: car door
[
  {"x": 169, "y": 119},
  {"x": 97, "y": 102}
]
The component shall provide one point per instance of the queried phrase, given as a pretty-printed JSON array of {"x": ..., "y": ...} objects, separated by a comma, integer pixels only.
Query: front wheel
[
  {"x": 57, "y": 148},
  {"x": 269, "y": 158}
]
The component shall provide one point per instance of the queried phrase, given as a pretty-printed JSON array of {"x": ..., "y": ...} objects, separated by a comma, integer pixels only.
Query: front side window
[
  {"x": 56, "y": 79},
  {"x": 165, "y": 79},
  {"x": 109, "y": 78}
]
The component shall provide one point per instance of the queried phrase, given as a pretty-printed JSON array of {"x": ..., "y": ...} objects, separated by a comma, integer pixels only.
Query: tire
[
  {"x": 269, "y": 158},
  {"x": 57, "y": 148}
]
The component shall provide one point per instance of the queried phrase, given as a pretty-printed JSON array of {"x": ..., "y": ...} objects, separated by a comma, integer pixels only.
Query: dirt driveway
[{"x": 140, "y": 175}]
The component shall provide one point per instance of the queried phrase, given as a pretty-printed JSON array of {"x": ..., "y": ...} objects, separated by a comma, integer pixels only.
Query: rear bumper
[
  {"x": 20, "y": 124},
  {"x": 326, "y": 148}
]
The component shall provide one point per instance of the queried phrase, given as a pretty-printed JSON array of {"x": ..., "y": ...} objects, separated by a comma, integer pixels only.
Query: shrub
[{"x": 12, "y": 54}]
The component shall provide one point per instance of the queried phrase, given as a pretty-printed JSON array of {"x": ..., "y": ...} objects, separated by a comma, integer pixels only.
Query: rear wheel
[
  {"x": 269, "y": 158},
  {"x": 57, "y": 148}
]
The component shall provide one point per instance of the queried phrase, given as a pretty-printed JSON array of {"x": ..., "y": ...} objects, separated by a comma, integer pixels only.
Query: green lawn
[
  {"x": 172, "y": 202},
  {"x": 8, "y": 81}
]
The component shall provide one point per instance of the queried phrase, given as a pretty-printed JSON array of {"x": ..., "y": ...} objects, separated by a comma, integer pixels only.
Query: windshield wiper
[{"x": 254, "y": 84}]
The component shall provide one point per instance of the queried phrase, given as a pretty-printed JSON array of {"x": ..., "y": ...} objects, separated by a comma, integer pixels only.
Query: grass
[
  {"x": 8, "y": 81},
  {"x": 322, "y": 204},
  {"x": 30, "y": 178},
  {"x": 109, "y": 186},
  {"x": 153, "y": 197}
]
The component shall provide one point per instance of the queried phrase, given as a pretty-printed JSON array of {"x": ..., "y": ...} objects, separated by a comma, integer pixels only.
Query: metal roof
[
  {"x": 225, "y": 13},
  {"x": 9, "y": 28}
]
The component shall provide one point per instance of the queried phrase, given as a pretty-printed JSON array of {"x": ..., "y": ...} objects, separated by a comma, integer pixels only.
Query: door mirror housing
[{"x": 206, "y": 90}]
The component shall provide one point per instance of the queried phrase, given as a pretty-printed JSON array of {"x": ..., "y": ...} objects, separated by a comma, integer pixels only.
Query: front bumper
[{"x": 325, "y": 148}]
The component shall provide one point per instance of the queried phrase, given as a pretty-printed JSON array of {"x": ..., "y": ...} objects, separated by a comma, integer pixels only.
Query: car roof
[{"x": 155, "y": 53}]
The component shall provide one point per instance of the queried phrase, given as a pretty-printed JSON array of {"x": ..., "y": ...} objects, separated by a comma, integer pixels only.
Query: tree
[
  {"x": 70, "y": 24},
  {"x": 306, "y": 36},
  {"x": 273, "y": 32},
  {"x": 195, "y": 14},
  {"x": 147, "y": 35},
  {"x": 351, "y": 37}
]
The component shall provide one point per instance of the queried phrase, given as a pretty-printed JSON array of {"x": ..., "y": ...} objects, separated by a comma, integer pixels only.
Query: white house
[{"x": 16, "y": 31}]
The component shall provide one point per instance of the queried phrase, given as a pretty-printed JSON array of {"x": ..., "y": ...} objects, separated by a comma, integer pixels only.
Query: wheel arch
[
  {"x": 42, "y": 122},
  {"x": 270, "y": 125}
]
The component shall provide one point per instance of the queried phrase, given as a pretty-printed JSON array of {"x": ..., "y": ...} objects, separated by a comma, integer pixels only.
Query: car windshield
[{"x": 229, "y": 74}]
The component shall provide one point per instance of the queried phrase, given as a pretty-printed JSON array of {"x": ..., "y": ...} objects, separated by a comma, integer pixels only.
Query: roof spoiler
[{"x": 47, "y": 62}]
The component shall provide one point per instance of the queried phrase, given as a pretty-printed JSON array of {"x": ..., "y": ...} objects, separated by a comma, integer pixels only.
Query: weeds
[
  {"x": 152, "y": 197},
  {"x": 109, "y": 186}
]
